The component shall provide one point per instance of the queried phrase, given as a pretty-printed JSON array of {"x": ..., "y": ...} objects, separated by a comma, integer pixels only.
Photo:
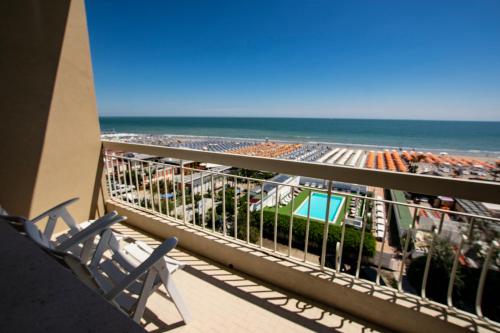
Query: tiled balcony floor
[{"x": 224, "y": 300}]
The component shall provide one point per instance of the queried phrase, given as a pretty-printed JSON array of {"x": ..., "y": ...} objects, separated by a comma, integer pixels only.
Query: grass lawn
[
  {"x": 403, "y": 212},
  {"x": 286, "y": 210}
]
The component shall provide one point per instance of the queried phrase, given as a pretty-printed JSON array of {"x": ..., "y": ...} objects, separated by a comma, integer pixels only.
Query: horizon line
[{"x": 295, "y": 117}]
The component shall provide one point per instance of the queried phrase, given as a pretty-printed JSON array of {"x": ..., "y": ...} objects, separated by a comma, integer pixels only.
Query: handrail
[{"x": 484, "y": 191}]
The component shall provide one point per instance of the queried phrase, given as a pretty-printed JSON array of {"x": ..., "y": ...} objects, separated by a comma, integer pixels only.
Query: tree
[
  {"x": 439, "y": 271},
  {"x": 254, "y": 174},
  {"x": 229, "y": 203},
  {"x": 132, "y": 174}
]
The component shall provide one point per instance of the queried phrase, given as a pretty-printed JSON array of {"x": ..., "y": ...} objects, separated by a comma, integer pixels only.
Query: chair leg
[
  {"x": 175, "y": 295},
  {"x": 146, "y": 291}
]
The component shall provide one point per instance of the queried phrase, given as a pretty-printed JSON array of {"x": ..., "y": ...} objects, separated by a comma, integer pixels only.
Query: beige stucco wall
[{"x": 49, "y": 128}]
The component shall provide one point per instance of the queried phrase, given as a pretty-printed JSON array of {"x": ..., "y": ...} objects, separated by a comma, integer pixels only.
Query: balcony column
[{"x": 49, "y": 127}]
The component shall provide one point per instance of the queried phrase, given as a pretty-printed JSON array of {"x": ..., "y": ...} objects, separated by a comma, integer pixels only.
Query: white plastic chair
[
  {"x": 129, "y": 290},
  {"x": 127, "y": 278},
  {"x": 132, "y": 272}
]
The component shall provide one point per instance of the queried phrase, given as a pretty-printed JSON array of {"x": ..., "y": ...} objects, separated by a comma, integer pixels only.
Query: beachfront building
[
  {"x": 300, "y": 275},
  {"x": 270, "y": 195}
]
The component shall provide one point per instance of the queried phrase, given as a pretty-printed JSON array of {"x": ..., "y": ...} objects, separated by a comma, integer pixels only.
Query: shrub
[
  {"x": 466, "y": 280},
  {"x": 352, "y": 237}
]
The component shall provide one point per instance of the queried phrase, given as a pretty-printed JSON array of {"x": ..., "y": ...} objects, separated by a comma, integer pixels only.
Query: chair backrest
[
  {"x": 157, "y": 256},
  {"x": 54, "y": 214}
]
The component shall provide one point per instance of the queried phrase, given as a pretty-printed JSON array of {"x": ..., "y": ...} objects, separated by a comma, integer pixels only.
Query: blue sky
[{"x": 352, "y": 59}]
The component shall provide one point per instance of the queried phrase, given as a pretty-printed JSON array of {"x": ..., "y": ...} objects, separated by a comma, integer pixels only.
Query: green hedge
[{"x": 352, "y": 237}]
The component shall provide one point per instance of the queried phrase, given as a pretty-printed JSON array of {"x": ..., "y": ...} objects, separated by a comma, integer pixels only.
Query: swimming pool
[{"x": 318, "y": 207}]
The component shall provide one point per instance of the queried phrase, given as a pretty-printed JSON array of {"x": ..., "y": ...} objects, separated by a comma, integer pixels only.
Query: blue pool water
[{"x": 318, "y": 206}]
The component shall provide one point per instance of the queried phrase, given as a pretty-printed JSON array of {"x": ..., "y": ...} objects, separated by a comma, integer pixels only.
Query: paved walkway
[{"x": 223, "y": 300}]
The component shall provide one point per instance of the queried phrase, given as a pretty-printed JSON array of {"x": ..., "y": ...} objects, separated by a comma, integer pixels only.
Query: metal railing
[{"x": 264, "y": 214}]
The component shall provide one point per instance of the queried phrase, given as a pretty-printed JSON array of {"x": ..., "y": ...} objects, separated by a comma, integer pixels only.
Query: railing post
[
  {"x": 150, "y": 177},
  {"x": 224, "y": 226},
  {"x": 435, "y": 232},
  {"x": 409, "y": 235},
  {"x": 261, "y": 229},
  {"x": 183, "y": 193},
  {"x": 193, "y": 204},
  {"x": 276, "y": 208},
  {"x": 202, "y": 201},
  {"x": 326, "y": 226},
  {"x": 235, "y": 224},
  {"x": 361, "y": 242},
  {"x": 158, "y": 189},
  {"x": 482, "y": 278},
  {"x": 337, "y": 256},
  {"x": 174, "y": 189},
  {"x": 130, "y": 180},
  {"x": 248, "y": 211},
  {"x": 119, "y": 180},
  {"x": 124, "y": 181},
  {"x": 386, "y": 227},
  {"x": 144, "y": 187},
  {"x": 290, "y": 227},
  {"x": 451, "y": 284},
  {"x": 138, "y": 192},
  {"x": 428, "y": 263},
  {"x": 342, "y": 234},
  {"x": 113, "y": 188},
  {"x": 165, "y": 189},
  {"x": 308, "y": 221},
  {"x": 212, "y": 193},
  {"x": 108, "y": 175}
]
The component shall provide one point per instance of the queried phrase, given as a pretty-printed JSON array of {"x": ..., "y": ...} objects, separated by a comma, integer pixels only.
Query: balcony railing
[{"x": 349, "y": 233}]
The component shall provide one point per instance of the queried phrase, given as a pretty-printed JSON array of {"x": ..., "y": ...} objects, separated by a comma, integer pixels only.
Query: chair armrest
[
  {"x": 168, "y": 259},
  {"x": 157, "y": 255},
  {"x": 92, "y": 230}
]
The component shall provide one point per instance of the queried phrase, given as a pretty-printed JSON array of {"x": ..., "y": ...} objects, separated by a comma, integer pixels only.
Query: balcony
[
  {"x": 260, "y": 255},
  {"x": 225, "y": 300},
  {"x": 357, "y": 263}
]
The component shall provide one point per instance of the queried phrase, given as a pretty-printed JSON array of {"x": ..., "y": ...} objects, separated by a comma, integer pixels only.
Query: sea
[{"x": 459, "y": 137}]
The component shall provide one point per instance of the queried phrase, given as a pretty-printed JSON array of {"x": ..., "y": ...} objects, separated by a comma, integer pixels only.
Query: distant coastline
[{"x": 458, "y": 137}]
